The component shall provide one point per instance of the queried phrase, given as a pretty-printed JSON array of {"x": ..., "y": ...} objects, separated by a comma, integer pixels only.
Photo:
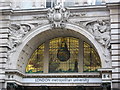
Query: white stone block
[
  {"x": 3, "y": 40},
  {"x": 115, "y": 57},
  {"x": 116, "y": 70},
  {"x": 115, "y": 52},
  {"x": 16, "y": 77},
  {"x": 3, "y": 44},
  {"x": 3, "y": 60},
  {"x": 3, "y": 35},
  {"x": 115, "y": 25},
  {"x": 115, "y": 46},
  {"x": 3, "y": 49},
  {"x": 3, "y": 55},
  {"x": 2, "y": 71},
  {"x": 115, "y": 31},
  {"x": 2, "y": 76},
  {"x": 114, "y": 11},
  {"x": 2, "y": 65},
  {"x": 115, "y": 75},
  {"x": 4, "y": 23},
  {"x": 115, "y": 37},
  {"x": 114, "y": 41},
  {"x": 2, "y": 17},
  {"x": 4, "y": 30},
  {"x": 113, "y": 1},
  {"x": 115, "y": 63},
  {"x": 114, "y": 18}
]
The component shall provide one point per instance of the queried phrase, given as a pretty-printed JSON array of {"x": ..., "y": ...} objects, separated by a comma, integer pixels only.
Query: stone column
[
  {"x": 115, "y": 43},
  {"x": 80, "y": 56},
  {"x": 46, "y": 57},
  {"x": 4, "y": 30}
]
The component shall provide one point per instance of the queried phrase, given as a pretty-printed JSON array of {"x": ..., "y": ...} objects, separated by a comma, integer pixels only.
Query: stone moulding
[
  {"x": 58, "y": 17},
  {"x": 25, "y": 75}
]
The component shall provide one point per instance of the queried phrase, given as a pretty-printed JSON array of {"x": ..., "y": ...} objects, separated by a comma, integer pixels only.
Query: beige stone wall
[
  {"x": 4, "y": 31},
  {"x": 115, "y": 43}
]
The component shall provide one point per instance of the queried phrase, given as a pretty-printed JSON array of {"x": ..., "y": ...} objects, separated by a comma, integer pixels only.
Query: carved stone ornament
[
  {"x": 16, "y": 33},
  {"x": 81, "y": 14},
  {"x": 101, "y": 32},
  {"x": 57, "y": 16}
]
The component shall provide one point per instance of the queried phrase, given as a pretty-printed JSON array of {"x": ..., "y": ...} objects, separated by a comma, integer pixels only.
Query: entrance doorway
[{"x": 63, "y": 88}]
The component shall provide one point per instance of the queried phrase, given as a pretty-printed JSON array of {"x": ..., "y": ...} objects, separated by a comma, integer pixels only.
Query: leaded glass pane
[
  {"x": 35, "y": 63},
  {"x": 91, "y": 59},
  {"x": 63, "y": 55}
]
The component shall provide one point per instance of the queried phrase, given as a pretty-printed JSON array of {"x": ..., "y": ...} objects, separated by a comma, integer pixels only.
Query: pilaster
[
  {"x": 115, "y": 44},
  {"x": 4, "y": 31},
  {"x": 46, "y": 57},
  {"x": 80, "y": 56}
]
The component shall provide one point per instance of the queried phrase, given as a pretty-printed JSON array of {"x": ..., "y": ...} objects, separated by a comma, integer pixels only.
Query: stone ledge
[{"x": 93, "y": 75}]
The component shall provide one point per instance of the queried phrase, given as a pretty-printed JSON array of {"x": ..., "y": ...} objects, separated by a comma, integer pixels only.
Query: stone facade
[{"x": 22, "y": 31}]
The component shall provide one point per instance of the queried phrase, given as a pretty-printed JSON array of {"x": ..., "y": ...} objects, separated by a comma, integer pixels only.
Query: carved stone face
[{"x": 57, "y": 17}]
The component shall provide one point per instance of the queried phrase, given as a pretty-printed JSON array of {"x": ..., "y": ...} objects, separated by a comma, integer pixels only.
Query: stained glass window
[
  {"x": 63, "y": 57},
  {"x": 91, "y": 59},
  {"x": 35, "y": 63}
]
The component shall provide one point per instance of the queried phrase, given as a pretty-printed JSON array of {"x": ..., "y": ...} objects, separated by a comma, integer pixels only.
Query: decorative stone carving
[
  {"x": 57, "y": 16},
  {"x": 16, "y": 33},
  {"x": 101, "y": 31},
  {"x": 39, "y": 17},
  {"x": 82, "y": 14}
]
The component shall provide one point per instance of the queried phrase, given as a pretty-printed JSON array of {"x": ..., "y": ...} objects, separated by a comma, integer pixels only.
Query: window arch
[{"x": 63, "y": 55}]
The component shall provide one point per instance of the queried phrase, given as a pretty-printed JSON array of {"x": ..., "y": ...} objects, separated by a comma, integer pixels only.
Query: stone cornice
[
  {"x": 54, "y": 75},
  {"x": 7, "y": 11},
  {"x": 114, "y": 5},
  {"x": 30, "y": 11},
  {"x": 105, "y": 70},
  {"x": 93, "y": 7},
  {"x": 72, "y": 8}
]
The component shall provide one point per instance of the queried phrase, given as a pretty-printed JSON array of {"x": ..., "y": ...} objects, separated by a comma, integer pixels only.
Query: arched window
[
  {"x": 64, "y": 55},
  {"x": 91, "y": 59},
  {"x": 35, "y": 63}
]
